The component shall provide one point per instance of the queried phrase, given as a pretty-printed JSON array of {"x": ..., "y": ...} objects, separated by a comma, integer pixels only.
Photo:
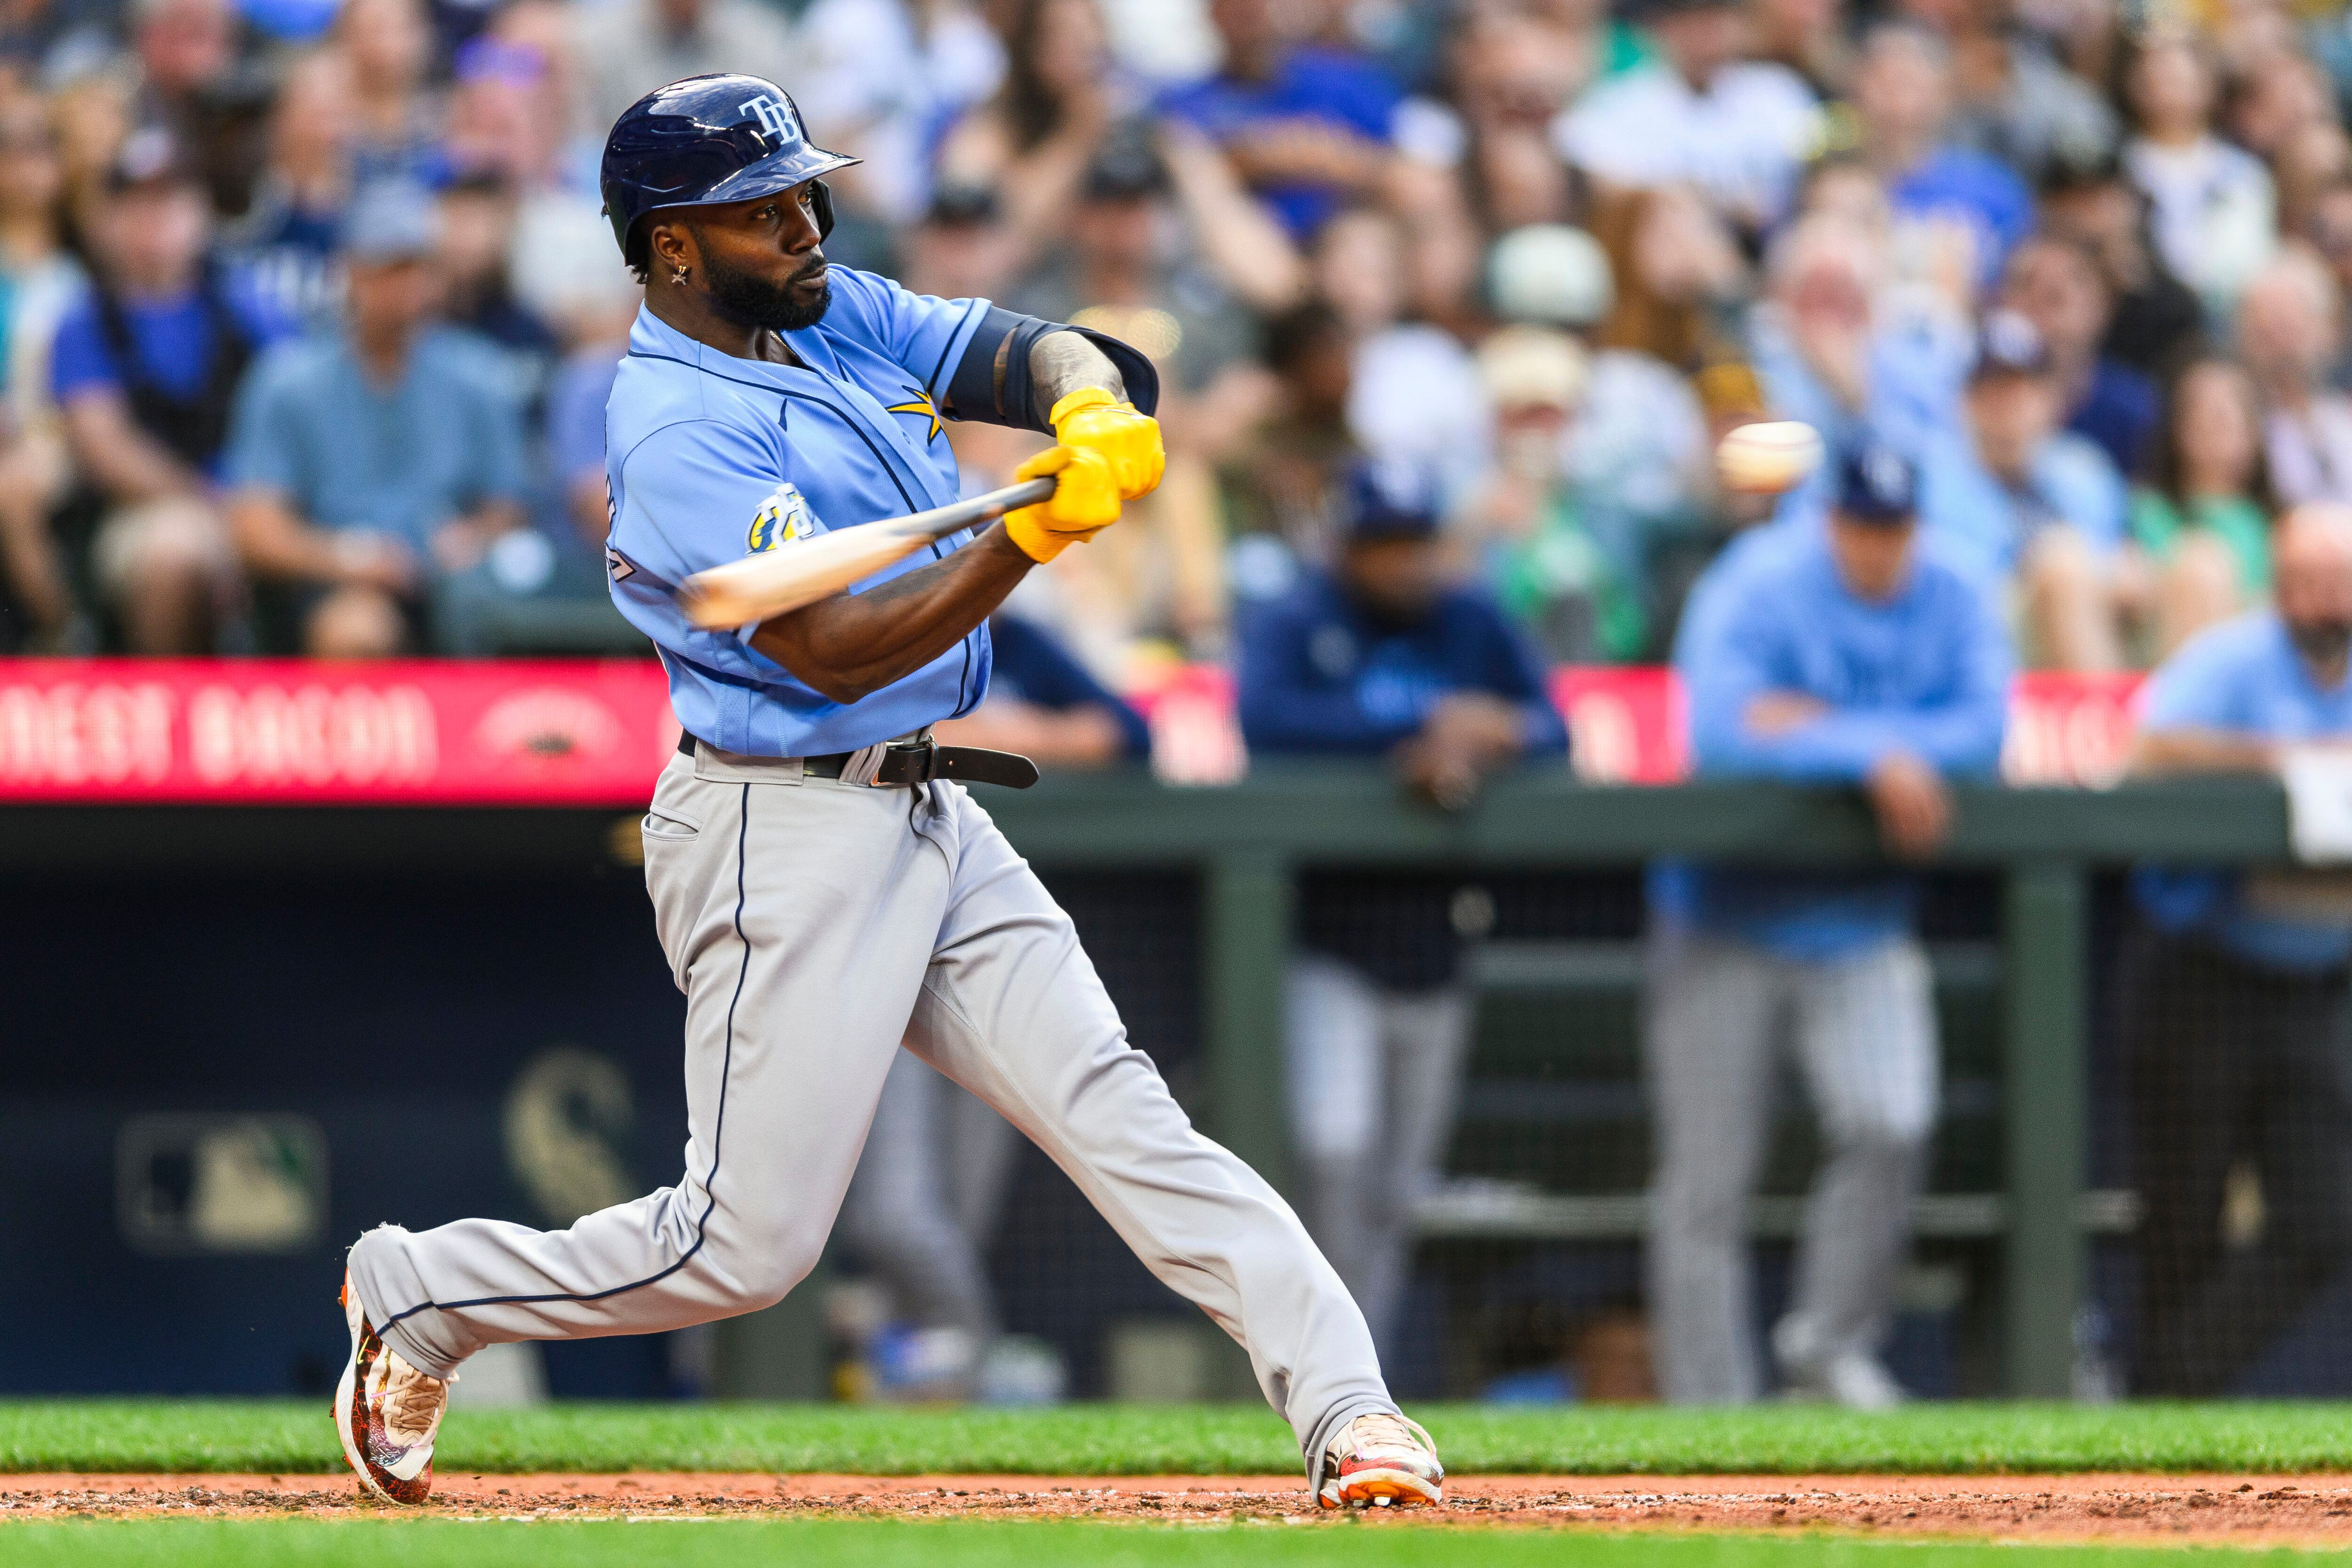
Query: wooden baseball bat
[{"x": 762, "y": 587}]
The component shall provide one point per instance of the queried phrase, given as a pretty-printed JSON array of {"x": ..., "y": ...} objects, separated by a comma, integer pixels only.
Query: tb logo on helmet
[{"x": 772, "y": 119}]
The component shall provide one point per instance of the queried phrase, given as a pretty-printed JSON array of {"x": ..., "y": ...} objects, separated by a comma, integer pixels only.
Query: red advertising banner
[
  {"x": 2071, "y": 729},
  {"x": 260, "y": 731},
  {"x": 572, "y": 732},
  {"x": 1625, "y": 724}
]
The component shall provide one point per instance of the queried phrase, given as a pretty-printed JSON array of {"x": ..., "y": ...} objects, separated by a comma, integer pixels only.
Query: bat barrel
[{"x": 774, "y": 582}]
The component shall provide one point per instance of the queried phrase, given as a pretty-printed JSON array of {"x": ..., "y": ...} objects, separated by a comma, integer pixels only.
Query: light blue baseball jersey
[{"x": 711, "y": 457}]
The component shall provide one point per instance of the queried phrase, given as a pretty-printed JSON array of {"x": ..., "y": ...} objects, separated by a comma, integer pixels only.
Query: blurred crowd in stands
[{"x": 309, "y": 312}]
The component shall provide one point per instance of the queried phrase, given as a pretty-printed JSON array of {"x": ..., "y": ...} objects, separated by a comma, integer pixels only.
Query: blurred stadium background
[{"x": 321, "y": 745}]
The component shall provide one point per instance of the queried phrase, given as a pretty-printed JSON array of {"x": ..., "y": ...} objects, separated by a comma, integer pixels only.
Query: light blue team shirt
[
  {"x": 712, "y": 457},
  {"x": 402, "y": 460},
  {"x": 2244, "y": 677},
  {"x": 2069, "y": 480},
  {"x": 1927, "y": 671}
]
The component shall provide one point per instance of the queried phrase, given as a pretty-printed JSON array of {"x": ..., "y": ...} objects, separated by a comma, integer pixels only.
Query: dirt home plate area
[{"x": 2268, "y": 1511}]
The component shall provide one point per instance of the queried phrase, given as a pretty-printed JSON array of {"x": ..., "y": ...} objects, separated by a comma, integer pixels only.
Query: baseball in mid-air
[{"x": 1769, "y": 458}]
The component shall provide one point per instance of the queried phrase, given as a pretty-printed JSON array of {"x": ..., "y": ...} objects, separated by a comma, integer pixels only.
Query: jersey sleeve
[
  {"x": 80, "y": 359},
  {"x": 924, "y": 334},
  {"x": 700, "y": 493}
]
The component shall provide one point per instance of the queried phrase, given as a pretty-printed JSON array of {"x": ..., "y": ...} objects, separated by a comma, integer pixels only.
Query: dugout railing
[{"x": 1249, "y": 845}]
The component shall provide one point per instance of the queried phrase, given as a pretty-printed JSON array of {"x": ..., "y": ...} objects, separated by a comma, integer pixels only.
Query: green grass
[
  {"x": 284, "y": 1436},
  {"x": 735, "y": 1543}
]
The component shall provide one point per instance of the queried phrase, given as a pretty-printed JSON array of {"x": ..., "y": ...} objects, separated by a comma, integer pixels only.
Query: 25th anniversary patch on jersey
[{"x": 783, "y": 516}]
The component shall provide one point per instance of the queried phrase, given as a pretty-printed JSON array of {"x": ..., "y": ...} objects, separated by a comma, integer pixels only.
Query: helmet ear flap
[{"x": 821, "y": 204}]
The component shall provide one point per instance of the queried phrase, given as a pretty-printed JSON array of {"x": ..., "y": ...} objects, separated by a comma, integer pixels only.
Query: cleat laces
[
  {"x": 412, "y": 1402},
  {"x": 1381, "y": 1429}
]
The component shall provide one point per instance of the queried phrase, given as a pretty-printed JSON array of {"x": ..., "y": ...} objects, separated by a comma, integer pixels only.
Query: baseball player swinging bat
[
  {"x": 827, "y": 890},
  {"x": 778, "y": 581}
]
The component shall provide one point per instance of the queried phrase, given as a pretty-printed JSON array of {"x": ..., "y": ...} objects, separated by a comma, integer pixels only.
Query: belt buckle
[{"x": 923, "y": 755}]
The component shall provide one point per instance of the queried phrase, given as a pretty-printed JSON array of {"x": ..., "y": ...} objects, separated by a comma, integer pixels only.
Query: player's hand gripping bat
[{"x": 770, "y": 583}]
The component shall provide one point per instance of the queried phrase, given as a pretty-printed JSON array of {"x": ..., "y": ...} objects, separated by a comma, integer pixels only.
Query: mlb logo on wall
[
  {"x": 231, "y": 1183},
  {"x": 784, "y": 515}
]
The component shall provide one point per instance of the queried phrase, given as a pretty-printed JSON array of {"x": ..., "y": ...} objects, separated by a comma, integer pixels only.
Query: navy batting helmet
[{"x": 705, "y": 141}]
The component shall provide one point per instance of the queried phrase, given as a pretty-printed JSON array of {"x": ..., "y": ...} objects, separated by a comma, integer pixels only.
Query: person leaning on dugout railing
[
  {"x": 1380, "y": 656},
  {"x": 1847, "y": 653},
  {"x": 2233, "y": 996}
]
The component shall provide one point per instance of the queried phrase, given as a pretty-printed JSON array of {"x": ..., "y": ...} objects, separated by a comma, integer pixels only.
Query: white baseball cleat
[
  {"x": 386, "y": 1412},
  {"x": 1381, "y": 1460}
]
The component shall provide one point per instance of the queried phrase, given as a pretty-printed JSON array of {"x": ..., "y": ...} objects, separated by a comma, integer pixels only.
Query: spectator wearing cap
[
  {"x": 2290, "y": 330},
  {"x": 1379, "y": 656},
  {"x": 1306, "y": 126},
  {"x": 2030, "y": 502},
  {"x": 1903, "y": 100},
  {"x": 1852, "y": 654},
  {"x": 2234, "y": 995},
  {"x": 1567, "y": 563},
  {"x": 1735, "y": 128},
  {"x": 1186, "y": 308},
  {"x": 144, "y": 371},
  {"x": 1637, "y": 443},
  {"x": 2056, "y": 284},
  {"x": 961, "y": 249},
  {"x": 2213, "y": 211},
  {"x": 373, "y": 465}
]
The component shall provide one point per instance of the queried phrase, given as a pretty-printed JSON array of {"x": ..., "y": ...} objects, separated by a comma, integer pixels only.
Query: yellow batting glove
[
  {"x": 1096, "y": 420},
  {"x": 1085, "y": 501}
]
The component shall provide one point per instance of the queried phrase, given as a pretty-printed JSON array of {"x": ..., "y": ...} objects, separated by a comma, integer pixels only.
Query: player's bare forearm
[
  {"x": 853, "y": 645},
  {"x": 1064, "y": 363},
  {"x": 2162, "y": 752}
]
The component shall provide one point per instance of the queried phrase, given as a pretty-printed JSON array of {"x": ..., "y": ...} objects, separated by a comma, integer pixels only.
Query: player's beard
[{"x": 750, "y": 300}]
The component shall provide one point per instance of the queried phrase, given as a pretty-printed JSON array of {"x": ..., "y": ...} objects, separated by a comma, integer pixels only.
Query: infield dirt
[{"x": 2270, "y": 1511}]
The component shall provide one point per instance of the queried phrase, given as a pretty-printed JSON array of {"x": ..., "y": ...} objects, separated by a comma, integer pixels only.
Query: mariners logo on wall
[{"x": 784, "y": 515}]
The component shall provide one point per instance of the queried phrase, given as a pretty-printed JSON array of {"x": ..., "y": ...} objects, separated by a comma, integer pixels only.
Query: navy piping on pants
[{"x": 717, "y": 1131}]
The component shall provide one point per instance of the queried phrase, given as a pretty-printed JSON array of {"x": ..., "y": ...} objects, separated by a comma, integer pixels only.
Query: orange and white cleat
[
  {"x": 386, "y": 1412},
  {"x": 1381, "y": 1460}
]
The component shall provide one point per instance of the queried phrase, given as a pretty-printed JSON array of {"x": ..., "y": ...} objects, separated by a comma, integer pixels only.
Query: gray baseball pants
[
  {"x": 812, "y": 926},
  {"x": 1373, "y": 1076},
  {"x": 1863, "y": 1029}
]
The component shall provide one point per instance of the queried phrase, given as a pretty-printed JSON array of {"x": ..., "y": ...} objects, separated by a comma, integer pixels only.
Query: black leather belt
[{"x": 919, "y": 762}]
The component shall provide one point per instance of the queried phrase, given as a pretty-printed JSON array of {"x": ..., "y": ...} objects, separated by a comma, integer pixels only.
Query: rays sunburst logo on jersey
[{"x": 784, "y": 515}]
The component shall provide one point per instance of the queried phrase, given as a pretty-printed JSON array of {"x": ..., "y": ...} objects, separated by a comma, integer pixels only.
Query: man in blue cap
[
  {"x": 1381, "y": 655},
  {"x": 1842, "y": 654},
  {"x": 370, "y": 465}
]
